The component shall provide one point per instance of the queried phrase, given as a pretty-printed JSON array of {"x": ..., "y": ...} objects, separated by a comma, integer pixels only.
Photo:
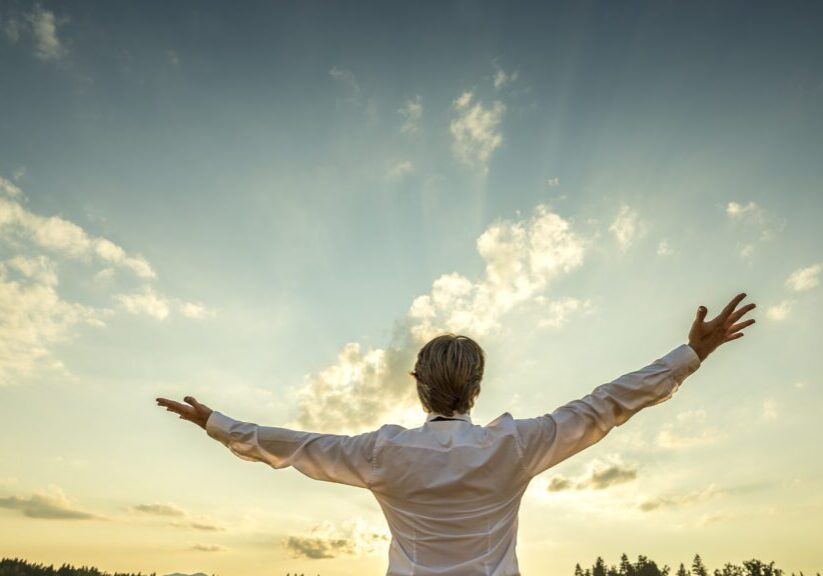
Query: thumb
[
  {"x": 192, "y": 401},
  {"x": 701, "y": 313}
]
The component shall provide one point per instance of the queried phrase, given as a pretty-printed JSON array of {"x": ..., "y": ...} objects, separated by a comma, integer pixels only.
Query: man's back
[{"x": 450, "y": 489}]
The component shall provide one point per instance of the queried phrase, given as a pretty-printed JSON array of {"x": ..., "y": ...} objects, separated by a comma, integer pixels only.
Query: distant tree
[
  {"x": 758, "y": 568},
  {"x": 599, "y": 568},
  {"x": 682, "y": 571},
  {"x": 626, "y": 568},
  {"x": 730, "y": 570},
  {"x": 698, "y": 568}
]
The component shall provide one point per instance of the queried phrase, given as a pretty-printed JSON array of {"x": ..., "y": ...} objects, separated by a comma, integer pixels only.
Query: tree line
[{"x": 647, "y": 567}]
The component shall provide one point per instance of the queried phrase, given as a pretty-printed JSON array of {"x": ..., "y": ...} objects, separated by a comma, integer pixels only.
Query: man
[{"x": 450, "y": 489}]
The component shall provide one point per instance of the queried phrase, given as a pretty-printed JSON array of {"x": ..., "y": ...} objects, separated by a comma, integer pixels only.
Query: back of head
[{"x": 448, "y": 371}]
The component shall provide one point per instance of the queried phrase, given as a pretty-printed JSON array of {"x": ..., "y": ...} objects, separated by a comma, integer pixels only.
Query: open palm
[
  {"x": 705, "y": 337},
  {"x": 194, "y": 411}
]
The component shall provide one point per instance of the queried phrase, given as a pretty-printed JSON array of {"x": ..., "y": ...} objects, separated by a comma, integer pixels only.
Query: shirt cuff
[
  {"x": 683, "y": 360},
  {"x": 218, "y": 426}
]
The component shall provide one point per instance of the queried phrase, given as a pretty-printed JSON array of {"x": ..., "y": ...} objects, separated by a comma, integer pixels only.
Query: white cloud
[
  {"x": 194, "y": 310},
  {"x": 9, "y": 188},
  {"x": 47, "y": 45},
  {"x": 33, "y": 315},
  {"x": 476, "y": 131},
  {"x": 558, "y": 312},
  {"x": 755, "y": 223},
  {"x": 501, "y": 78},
  {"x": 553, "y": 182},
  {"x": 626, "y": 227},
  {"x": 362, "y": 387},
  {"x": 805, "y": 278},
  {"x": 779, "y": 311},
  {"x": 412, "y": 112},
  {"x": 64, "y": 237},
  {"x": 146, "y": 301},
  {"x": 663, "y": 248},
  {"x": 399, "y": 170},
  {"x": 39, "y": 25}
]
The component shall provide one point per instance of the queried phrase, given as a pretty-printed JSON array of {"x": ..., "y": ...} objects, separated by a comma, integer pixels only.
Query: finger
[
  {"x": 732, "y": 305},
  {"x": 172, "y": 404},
  {"x": 734, "y": 336},
  {"x": 701, "y": 313},
  {"x": 738, "y": 314},
  {"x": 740, "y": 325}
]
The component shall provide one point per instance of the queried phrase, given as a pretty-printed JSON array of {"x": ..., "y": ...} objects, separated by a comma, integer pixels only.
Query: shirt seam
[{"x": 517, "y": 441}]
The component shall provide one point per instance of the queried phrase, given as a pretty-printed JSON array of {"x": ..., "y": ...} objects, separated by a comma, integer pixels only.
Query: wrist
[{"x": 701, "y": 353}]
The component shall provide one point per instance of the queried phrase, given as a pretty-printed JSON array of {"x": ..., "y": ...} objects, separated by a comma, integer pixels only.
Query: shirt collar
[{"x": 459, "y": 415}]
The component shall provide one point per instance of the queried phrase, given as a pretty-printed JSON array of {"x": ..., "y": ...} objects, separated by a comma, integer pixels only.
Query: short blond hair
[{"x": 448, "y": 372}]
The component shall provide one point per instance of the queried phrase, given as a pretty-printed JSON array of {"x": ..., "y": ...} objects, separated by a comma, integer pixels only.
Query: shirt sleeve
[
  {"x": 329, "y": 457},
  {"x": 551, "y": 438}
]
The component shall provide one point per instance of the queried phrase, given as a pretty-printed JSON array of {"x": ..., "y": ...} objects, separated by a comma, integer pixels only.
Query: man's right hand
[{"x": 705, "y": 337}]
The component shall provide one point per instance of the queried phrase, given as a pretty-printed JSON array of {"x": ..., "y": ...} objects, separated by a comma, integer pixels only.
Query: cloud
[
  {"x": 476, "y": 131},
  {"x": 51, "y": 504},
  {"x": 663, "y": 248},
  {"x": 553, "y": 182},
  {"x": 501, "y": 78},
  {"x": 63, "y": 237},
  {"x": 364, "y": 387},
  {"x": 41, "y": 27},
  {"x": 755, "y": 223},
  {"x": 599, "y": 476},
  {"x": 676, "y": 501},
  {"x": 687, "y": 430},
  {"x": 208, "y": 547},
  {"x": 354, "y": 538},
  {"x": 346, "y": 77},
  {"x": 779, "y": 311},
  {"x": 412, "y": 112},
  {"x": 558, "y": 312},
  {"x": 626, "y": 227},
  {"x": 805, "y": 278},
  {"x": 34, "y": 316},
  {"x": 159, "y": 509},
  {"x": 145, "y": 302},
  {"x": 399, "y": 170}
]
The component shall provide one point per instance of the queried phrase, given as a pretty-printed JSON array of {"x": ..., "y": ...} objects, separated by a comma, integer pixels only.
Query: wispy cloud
[
  {"x": 678, "y": 500},
  {"x": 412, "y": 112},
  {"x": 686, "y": 430},
  {"x": 501, "y": 78},
  {"x": 663, "y": 248},
  {"x": 399, "y": 170},
  {"x": 476, "y": 131},
  {"x": 522, "y": 258},
  {"x": 627, "y": 227},
  {"x": 50, "y": 504},
  {"x": 159, "y": 509},
  {"x": 755, "y": 223},
  {"x": 208, "y": 547}
]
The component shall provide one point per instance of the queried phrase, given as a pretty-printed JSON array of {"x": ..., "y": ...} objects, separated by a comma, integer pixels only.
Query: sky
[{"x": 272, "y": 206}]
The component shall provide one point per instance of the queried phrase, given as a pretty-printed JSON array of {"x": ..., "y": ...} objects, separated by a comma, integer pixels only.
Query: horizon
[{"x": 271, "y": 207}]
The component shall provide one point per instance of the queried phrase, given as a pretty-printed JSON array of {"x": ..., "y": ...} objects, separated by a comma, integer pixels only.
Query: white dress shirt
[{"x": 450, "y": 489}]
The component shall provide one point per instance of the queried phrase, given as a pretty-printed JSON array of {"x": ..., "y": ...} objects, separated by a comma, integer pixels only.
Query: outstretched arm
[
  {"x": 551, "y": 438},
  {"x": 330, "y": 457}
]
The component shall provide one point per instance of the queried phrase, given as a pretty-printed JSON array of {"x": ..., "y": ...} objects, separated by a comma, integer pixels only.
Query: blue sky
[{"x": 271, "y": 206}]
